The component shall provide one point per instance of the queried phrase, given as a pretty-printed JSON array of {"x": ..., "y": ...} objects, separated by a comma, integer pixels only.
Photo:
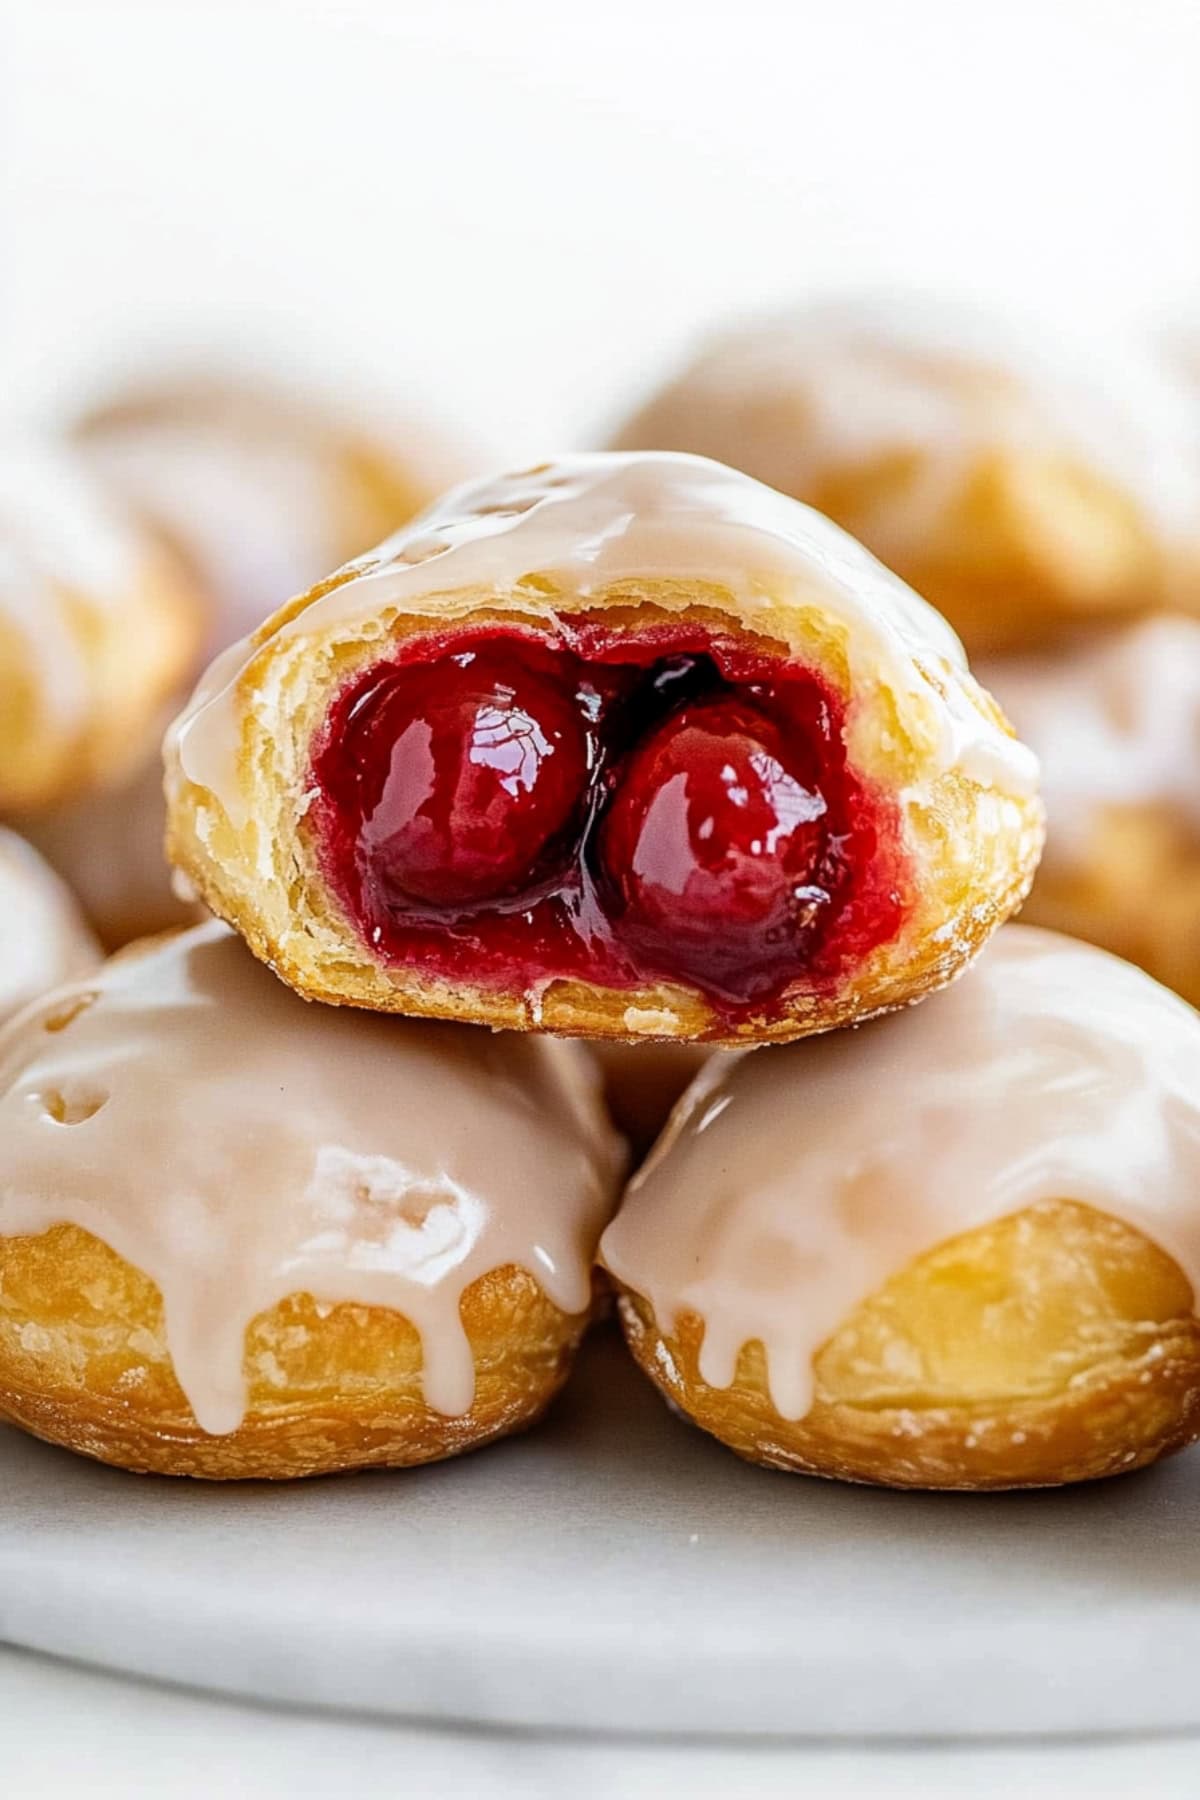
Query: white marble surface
[
  {"x": 68, "y": 1730},
  {"x": 617, "y": 1571}
]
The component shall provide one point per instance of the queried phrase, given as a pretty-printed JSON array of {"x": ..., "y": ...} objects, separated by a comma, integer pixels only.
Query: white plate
[{"x": 616, "y": 1570}]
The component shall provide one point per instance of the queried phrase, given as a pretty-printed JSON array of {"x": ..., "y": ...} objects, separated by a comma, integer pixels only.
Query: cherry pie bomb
[{"x": 625, "y": 746}]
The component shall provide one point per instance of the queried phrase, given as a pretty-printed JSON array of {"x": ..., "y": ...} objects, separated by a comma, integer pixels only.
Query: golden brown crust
[
  {"x": 972, "y": 849},
  {"x": 84, "y": 1363},
  {"x": 1055, "y": 1345}
]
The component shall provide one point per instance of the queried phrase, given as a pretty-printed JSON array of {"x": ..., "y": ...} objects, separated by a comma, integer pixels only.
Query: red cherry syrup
[{"x": 595, "y": 805}]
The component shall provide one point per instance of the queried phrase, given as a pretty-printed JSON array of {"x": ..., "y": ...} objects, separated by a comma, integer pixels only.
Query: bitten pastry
[
  {"x": 957, "y": 1249},
  {"x": 244, "y": 1237},
  {"x": 621, "y": 746},
  {"x": 98, "y": 625},
  {"x": 1021, "y": 484},
  {"x": 1117, "y": 727},
  {"x": 43, "y": 939},
  {"x": 264, "y": 489}
]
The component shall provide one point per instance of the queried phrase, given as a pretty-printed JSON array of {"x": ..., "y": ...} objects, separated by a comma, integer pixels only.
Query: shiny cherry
[
  {"x": 712, "y": 842},
  {"x": 472, "y": 769}
]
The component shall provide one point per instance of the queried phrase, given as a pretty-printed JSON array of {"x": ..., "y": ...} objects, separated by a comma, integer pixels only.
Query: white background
[{"x": 516, "y": 210}]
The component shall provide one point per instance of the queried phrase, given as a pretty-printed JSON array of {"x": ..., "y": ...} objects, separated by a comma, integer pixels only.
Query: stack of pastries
[{"x": 619, "y": 775}]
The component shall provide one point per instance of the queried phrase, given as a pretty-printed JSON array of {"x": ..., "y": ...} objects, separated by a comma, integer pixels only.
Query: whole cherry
[
  {"x": 472, "y": 770},
  {"x": 711, "y": 843}
]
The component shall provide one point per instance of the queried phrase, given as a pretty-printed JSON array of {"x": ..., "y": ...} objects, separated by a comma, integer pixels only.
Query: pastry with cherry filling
[
  {"x": 957, "y": 1249},
  {"x": 1116, "y": 725},
  {"x": 1024, "y": 485},
  {"x": 99, "y": 624},
  {"x": 44, "y": 940},
  {"x": 242, "y": 1237},
  {"x": 620, "y": 746}
]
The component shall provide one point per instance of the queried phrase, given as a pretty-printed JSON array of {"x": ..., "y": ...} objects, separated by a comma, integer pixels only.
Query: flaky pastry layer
[{"x": 84, "y": 1363}]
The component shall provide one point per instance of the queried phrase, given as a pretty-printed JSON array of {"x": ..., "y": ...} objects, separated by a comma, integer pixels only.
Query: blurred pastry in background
[
  {"x": 265, "y": 487},
  {"x": 957, "y": 1248},
  {"x": 108, "y": 847},
  {"x": 642, "y": 1082},
  {"x": 617, "y": 746},
  {"x": 1116, "y": 724},
  {"x": 43, "y": 938},
  {"x": 1023, "y": 485},
  {"x": 245, "y": 1237},
  {"x": 260, "y": 491},
  {"x": 99, "y": 624}
]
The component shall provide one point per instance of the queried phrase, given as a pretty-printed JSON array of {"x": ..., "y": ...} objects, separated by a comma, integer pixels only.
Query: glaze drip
[
  {"x": 793, "y": 1183},
  {"x": 238, "y": 1146}
]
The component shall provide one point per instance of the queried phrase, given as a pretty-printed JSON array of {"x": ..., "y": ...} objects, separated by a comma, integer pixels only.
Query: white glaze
[
  {"x": 842, "y": 383},
  {"x": 1116, "y": 724},
  {"x": 795, "y": 1182},
  {"x": 238, "y": 1146},
  {"x": 587, "y": 522},
  {"x": 43, "y": 939}
]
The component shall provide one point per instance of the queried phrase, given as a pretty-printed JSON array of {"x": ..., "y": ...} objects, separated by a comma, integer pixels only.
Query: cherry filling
[
  {"x": 712, "y": 841},
  {"x": 472, "y": 772},
  {"x": 518, "y": 808}
]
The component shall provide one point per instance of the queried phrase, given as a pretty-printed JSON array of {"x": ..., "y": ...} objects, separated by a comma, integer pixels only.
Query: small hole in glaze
[
  {"x": 422, "y": 550},
  {"x": 508, "y": 509},
  {"x": 68, "y": 1012},
  {"x": 74, "y": 1108}
]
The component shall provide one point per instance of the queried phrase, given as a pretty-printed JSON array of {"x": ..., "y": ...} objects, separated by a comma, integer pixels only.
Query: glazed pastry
[
  {"x": 1117, "y": 728},
  {"x": 957, "y": 1249},
  {"x": 1020, "y": 485},
  {"x": 263, "y": 488},
  {"x": 44, "y": 940},
  {"x": 98, "y": 625},
  {"x": 622, "y": 746},
  {"x": 244, "y": 1237}
]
